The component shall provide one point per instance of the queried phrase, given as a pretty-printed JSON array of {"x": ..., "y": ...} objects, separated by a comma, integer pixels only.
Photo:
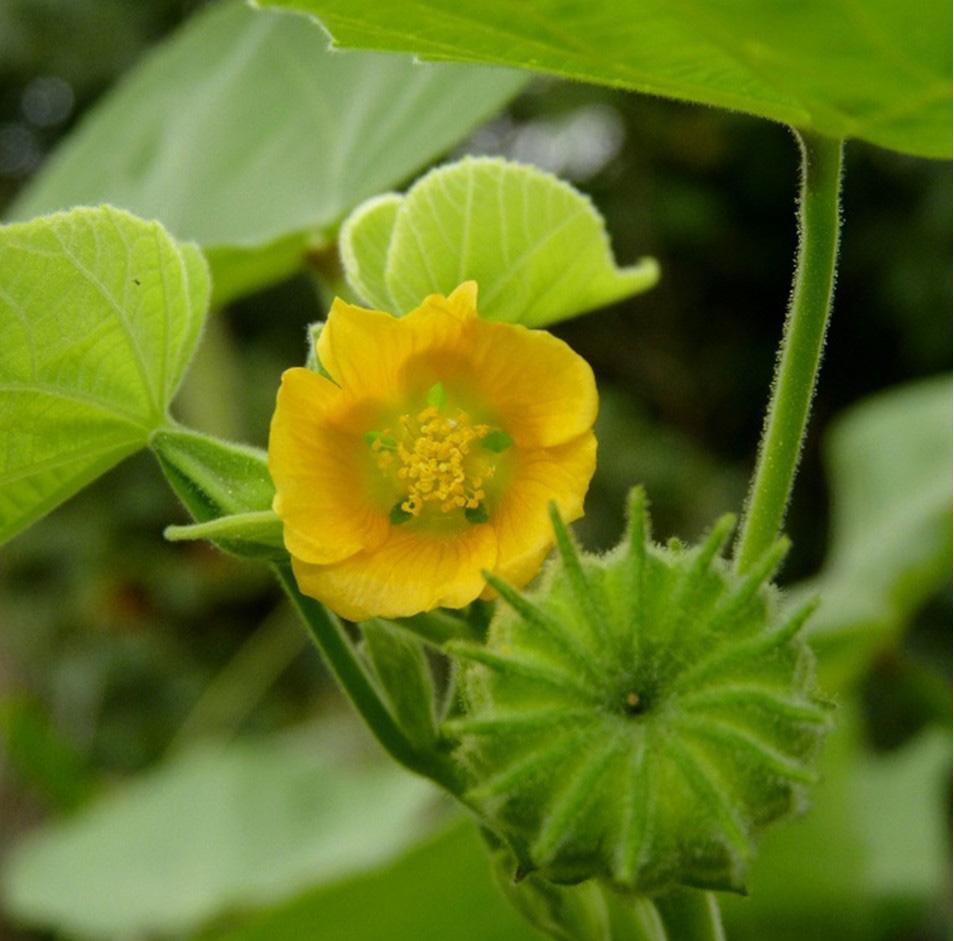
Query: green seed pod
[{"x": 639, "y": 717}]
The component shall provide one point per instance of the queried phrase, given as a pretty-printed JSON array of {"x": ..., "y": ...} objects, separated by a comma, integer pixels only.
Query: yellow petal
[
  {"x": 544, "y": 393},
  {"x": 367, "y": 351},
  {"x": 462, "y": 301},
  {"x": 524, "y": 533},
  {"x": 345, "y": 551},
  {"x": 317, "y": 468},
  {"x": 409, "y": 573}
]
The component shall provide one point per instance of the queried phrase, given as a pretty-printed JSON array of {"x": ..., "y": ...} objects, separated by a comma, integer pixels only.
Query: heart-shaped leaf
[{"x": 100, "y": 313}]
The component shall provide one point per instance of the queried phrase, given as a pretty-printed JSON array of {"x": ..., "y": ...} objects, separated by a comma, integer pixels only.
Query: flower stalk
[
  {"x": 340, "y": 655},
  {"x": 801, "y": 349}
]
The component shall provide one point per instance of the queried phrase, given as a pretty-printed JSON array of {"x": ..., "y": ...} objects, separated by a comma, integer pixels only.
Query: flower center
[
  {"x": 433, "y": 461},
  {"x": 439, "y": 459}
]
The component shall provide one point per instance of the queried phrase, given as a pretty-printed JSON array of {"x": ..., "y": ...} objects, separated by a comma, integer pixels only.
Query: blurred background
[{"x": 174, "y": 760}]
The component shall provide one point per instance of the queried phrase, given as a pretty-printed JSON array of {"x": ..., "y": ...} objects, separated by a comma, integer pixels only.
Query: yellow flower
[{"x": 429, "y": 457}]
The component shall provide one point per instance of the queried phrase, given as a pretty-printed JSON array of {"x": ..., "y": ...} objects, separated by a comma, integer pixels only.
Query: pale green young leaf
[
  {"x": 364, "y": 241},
  {"x": 244, "y": 133},
  {"x": 879, "y": 70},
  {"x": 100, "y": 313},
  {"x": 536, "y": 247}
]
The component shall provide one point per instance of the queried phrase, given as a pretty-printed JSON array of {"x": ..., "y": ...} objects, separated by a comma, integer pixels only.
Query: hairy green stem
[
  {"x": 340, "y": 655},
  {"x": 801, "y": 349}
]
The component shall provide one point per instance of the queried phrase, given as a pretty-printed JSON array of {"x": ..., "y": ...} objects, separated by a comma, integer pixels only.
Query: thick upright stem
[{"x": 801, "y": 349}]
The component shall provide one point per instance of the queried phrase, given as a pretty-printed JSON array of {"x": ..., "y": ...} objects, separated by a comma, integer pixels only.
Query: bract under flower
[{"x": 429, "y": 457}]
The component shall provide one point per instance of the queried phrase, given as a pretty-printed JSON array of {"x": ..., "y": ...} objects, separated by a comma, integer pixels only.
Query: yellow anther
[{"x": 431, "y": 457}]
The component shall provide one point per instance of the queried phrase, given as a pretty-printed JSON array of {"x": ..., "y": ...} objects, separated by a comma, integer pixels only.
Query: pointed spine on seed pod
[{"x": 639, "y": 717}]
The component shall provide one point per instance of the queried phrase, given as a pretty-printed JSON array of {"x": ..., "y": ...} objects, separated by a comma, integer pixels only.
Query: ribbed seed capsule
[{"x": 640, "y": 716}]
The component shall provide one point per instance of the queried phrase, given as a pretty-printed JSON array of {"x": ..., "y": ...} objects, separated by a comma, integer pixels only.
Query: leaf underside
[
  {"x": 246, "y": 134},
  {"x": 879, "y": 70}
]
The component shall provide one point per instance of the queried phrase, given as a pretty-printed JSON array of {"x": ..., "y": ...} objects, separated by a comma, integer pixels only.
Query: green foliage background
[{"x": 120, "y": 654}]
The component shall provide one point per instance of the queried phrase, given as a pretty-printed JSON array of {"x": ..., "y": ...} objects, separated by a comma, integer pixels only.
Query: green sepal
[
  {"x": 255, "y": 535},
  {"x": 639, "y": 717},
  {"x": 218, "y": 479},
  {"x": 566, "y": 913},
  {"x": 399, "y": 664}
]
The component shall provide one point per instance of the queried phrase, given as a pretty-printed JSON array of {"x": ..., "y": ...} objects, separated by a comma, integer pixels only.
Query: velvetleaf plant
[
  {"x": 621, "y": 730},
  {"x": 387, "y": 499}
]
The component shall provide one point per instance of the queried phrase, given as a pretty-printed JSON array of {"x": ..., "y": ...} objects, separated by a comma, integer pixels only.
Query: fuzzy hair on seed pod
[{"x": 639, "y": 717}]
